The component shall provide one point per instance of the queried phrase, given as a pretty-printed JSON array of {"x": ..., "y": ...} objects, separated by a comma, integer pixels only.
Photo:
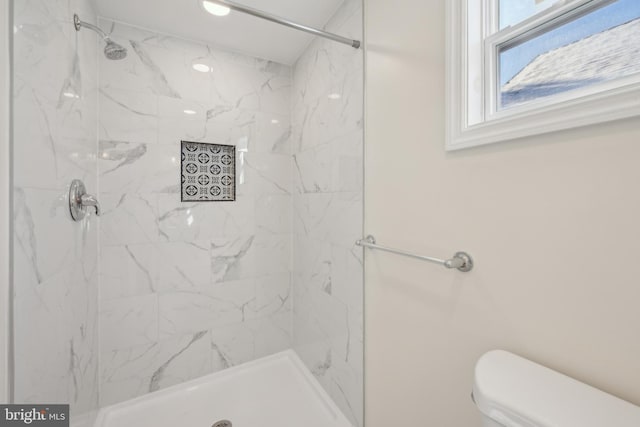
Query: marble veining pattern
[
  {"x": 55, "y": 260},
  {"x": 185, "y": 288},
  {"x": 189, "y": 288},
  {"x": 327, "y": 138}
]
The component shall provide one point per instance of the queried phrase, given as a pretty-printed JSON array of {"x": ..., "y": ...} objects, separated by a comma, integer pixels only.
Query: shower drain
[{"x": 222, "y": 423}]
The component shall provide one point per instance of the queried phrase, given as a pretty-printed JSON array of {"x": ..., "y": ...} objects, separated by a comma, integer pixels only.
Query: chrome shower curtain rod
[{"x": 282, "y": 21}]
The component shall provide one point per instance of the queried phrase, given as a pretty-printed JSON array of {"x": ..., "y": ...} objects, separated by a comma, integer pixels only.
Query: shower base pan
[{"x": 276, "y": 391}]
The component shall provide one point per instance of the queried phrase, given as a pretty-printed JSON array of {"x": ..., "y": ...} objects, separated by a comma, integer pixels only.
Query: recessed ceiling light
[
  {"x": 215, "y": 8},
  {"x": 275, "y": 121},
  {"x": 335, "y": 96},
  {"x": 203, "y": 68},
  {"x": 190, "y": 112}
]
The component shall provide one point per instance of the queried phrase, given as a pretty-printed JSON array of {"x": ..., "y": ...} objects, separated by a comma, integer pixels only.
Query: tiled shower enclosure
[{"x": 167, "y": 286}]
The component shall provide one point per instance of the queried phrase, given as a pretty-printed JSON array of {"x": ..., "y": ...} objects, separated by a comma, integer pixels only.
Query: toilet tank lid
[{"x": 517, "y": 392}]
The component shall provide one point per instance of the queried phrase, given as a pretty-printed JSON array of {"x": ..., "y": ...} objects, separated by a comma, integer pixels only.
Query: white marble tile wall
[
  {"x": 327, "y": 138},
  {"x": 190, "y": 288},
  {"x": 185, "y": 288},
  {"x": 55, "y": 260}
]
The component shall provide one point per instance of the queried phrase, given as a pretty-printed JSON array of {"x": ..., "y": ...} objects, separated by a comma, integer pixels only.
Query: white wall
[
  {"x": 5, "y": 191},
  {"x": 552, "y": 222}
]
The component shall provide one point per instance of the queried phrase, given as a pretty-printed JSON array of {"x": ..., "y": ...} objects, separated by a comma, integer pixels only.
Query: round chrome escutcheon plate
[{"x": 76, "y": 190}]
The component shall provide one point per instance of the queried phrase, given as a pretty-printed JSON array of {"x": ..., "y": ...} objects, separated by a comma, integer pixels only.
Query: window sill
[{"x": 615, "y": 104}]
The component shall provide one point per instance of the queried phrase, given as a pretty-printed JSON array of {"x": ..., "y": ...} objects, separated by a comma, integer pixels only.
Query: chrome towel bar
[{"x": 461, "y": 260}]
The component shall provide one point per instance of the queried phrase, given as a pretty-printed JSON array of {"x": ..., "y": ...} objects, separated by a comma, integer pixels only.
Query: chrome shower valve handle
[
  {"x": 87, "y": 200},
  {"x": 80, "y": 201}
]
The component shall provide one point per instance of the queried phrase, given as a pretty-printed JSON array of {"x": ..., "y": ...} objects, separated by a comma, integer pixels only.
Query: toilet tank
[{"x": 512, "y": 391}]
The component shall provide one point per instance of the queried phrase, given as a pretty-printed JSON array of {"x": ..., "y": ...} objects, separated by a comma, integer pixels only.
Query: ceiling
[{"x": 236, "y": 32}]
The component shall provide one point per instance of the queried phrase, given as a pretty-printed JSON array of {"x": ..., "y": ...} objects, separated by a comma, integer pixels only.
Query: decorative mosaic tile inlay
[{"x": 208, "y": 172}]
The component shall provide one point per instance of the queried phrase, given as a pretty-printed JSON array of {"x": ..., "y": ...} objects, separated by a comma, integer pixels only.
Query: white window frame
[{"x": 473, "y": 118}]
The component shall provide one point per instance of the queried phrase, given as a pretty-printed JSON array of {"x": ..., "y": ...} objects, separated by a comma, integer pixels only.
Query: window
[{"x": 524, "y": 67}]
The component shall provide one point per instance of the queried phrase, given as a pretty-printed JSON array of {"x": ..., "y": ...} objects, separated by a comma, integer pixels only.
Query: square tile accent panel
[{"x": 208, "y": 172}]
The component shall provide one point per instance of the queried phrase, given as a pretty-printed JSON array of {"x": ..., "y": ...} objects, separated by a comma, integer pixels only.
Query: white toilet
[{"x": 511, "y": 391}]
